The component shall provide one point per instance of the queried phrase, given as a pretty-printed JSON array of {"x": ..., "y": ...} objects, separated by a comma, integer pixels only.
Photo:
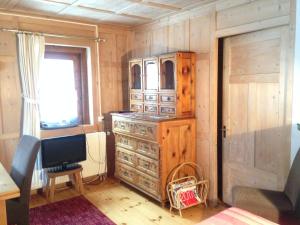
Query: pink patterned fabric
[
  {"x": 235, "y": 216},
  {"x": 74, "y": 211}
]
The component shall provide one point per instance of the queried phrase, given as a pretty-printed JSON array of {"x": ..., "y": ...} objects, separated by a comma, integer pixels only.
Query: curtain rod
[{"x": 52, "y": 35}]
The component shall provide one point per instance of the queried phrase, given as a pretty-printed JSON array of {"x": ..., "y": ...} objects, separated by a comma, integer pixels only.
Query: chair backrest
[
  {"x": 292, "y": 187},
  {"x": 23, "y": 165}
]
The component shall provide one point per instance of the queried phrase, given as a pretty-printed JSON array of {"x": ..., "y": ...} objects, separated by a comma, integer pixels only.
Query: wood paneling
[
  {"x": 125, "y": 12},
  {"x": 43, "y": 24},
  {"x": 113, "y": 58},
  {"x": 198, "y": 31},
  {"x": 252, "y": 12},
  {"x": 10, "y": 97},
  {"x": 160, "y": 41},
  {"x": 178, "y": 36}
]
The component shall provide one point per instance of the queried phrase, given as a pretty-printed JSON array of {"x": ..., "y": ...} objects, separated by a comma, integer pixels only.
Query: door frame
[{"x": 216, "y": 81}]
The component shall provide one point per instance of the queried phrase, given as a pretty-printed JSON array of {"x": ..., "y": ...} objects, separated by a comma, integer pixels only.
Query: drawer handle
[
  {"x": 147, "y": 184},
  {"x": 150, "y": 130},
  {"x": 146, "y": 165},
  {"x": 143, "y": 131}
]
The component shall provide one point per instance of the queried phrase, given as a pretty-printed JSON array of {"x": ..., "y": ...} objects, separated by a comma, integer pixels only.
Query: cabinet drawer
[
  {"x": 169, "y": 110},
  {"x": 149, "y": 184},
  {"x": 137, "y": 107},
  {"x": 147, "y": 165},
  {"x": 125, "y": 156},
  {"x": 125, "y": 142},
  {"x": 145, "y": 130},
  {"x": 126, "y": 173},
  {"x": 148, "y": 149},
  {"x": 150, "y": 98},
  {"x": 136, "y": 96},
  {"x": 167, "y": 98},
  {"x": 123, "y": 125},
  {"x": 150, "y": 109}
]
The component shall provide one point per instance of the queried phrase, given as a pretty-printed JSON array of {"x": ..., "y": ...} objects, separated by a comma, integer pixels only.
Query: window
[{"x": 64, "y": 88}]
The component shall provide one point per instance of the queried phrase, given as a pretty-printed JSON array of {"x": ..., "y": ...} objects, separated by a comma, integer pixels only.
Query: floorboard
[{"x": 126, "y": 206}]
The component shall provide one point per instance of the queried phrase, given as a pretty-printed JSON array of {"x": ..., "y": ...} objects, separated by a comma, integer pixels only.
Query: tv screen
[{"x": 63, "y": 150}]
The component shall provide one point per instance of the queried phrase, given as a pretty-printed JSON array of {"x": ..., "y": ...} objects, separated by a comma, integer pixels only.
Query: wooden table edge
[{"x": 15, "y": 194}]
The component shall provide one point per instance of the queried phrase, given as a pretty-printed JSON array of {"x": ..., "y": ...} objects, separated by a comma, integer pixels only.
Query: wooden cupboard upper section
[{"x": 163, "y": 85}]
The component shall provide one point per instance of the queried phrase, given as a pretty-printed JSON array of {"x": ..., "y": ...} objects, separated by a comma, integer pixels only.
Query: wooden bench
[{"x": 75, "y": 177}]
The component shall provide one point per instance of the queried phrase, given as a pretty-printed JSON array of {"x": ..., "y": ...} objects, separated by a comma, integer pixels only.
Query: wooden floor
[{"x": 125, "y": 206}]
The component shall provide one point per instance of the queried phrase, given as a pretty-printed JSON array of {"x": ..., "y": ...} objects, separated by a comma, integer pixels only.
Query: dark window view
[
  {"x": 136, "y": 77},
  {"x": 167, "y": 75}
]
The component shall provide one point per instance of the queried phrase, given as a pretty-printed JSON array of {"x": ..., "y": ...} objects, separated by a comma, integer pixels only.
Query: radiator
[
  {"x": 95, "y": 155},
  {"x": 95, "y": 162}
]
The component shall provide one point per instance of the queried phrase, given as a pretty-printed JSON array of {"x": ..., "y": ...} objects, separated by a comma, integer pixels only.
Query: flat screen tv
[{"x": 62, "y": 151}]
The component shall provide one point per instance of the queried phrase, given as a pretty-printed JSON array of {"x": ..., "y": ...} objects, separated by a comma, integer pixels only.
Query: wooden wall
[
  {"x": 198, "y": 30},
  {"x": 10, "y": 97},
  {"x": 114, "y": 55},
  {"x": 107, "y": 89}
]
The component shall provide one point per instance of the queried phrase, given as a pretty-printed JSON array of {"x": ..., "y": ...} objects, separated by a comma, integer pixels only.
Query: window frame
[
  {"x": 79, "y": 56},
  {"x": 94, "y": 78}
]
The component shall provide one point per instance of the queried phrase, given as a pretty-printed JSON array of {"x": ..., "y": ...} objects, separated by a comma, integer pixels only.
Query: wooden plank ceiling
[{"x": 125, "y": 12}]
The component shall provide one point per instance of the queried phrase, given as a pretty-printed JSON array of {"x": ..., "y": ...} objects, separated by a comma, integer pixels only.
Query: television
[{"x": 63, "y": 151}]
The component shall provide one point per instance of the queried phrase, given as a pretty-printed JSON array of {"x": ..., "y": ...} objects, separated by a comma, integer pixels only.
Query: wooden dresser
[
  {"x": 160, "y": 132},
  {"x": 149, "y": 147}
]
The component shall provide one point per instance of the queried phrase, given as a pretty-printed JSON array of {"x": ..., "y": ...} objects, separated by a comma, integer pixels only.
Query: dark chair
[
  {"x": 280, "y": 207},
  {"x": 21, "y": 173}
]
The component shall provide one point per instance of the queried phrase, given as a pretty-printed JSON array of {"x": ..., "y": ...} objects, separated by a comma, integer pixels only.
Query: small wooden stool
[{"x": 75, "y": 176}]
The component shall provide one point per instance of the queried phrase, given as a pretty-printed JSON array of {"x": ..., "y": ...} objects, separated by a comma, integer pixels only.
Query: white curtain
[{"x": 31, "y": 50}]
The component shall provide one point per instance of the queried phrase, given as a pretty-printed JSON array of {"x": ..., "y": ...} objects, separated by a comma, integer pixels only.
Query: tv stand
[{"x": 75, "y": 177}]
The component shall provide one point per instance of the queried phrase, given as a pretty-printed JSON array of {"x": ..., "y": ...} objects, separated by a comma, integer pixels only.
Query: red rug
[{"x": 74, "y": 211}]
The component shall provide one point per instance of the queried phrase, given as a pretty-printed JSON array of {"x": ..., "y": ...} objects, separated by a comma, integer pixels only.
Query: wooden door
[{"x": 256, "y": 147}]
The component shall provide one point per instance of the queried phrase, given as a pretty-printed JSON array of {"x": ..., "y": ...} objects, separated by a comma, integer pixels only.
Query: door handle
[{"x": 224, "y": 131}]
